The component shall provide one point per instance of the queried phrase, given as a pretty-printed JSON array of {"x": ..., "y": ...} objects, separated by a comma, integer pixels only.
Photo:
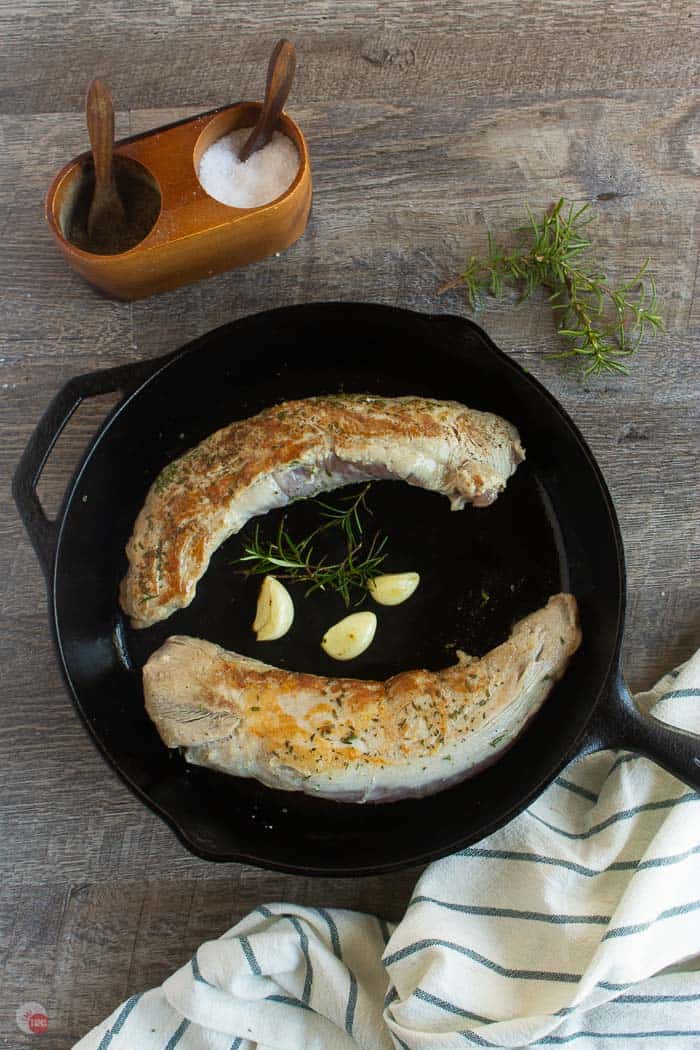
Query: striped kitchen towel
[{"x": 577, "y": 923}]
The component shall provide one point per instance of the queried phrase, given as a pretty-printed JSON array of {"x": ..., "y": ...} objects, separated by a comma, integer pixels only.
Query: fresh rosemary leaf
[
  {"x": 290, "y": 559},
  {"x": 603, "y": 324}
]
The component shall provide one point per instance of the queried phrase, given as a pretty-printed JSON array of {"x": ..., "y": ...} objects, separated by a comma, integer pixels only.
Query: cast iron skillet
[{"x": 553, "y": 529}]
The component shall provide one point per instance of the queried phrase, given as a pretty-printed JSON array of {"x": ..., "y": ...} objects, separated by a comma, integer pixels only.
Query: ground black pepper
[{"x": 140, "y": 197}]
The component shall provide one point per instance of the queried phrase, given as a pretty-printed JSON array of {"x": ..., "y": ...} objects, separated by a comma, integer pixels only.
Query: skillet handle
[
  {"x": 42, "y": 531},
  {"x": 619, "y": 723}
]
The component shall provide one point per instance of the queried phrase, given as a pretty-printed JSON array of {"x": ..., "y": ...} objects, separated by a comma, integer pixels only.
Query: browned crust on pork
[
  {"x": 198, "y": 694},
  {"x": 187, "y": 506}
]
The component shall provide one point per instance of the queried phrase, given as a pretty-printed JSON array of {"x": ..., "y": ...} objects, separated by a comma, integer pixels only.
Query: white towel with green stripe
[{"x": 577, "y": 923}]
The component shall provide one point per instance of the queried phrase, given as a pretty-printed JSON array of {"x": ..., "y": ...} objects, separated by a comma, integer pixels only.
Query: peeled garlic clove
[
  {"x": 393, "y": 588},
  {"x": 275, "y": 612},
  {"x": 349, "y": 637}
]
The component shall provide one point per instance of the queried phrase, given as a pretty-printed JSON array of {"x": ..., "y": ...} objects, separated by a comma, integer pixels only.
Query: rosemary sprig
[
  {"x": 601, "y": 322},
  {"x": 291, "y": 559}
]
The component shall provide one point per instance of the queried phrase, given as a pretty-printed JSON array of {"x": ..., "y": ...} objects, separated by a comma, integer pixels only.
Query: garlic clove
[
  {"x": 275, "y": 611},
  {"x": 393, "y": 588},
  {"x": 349, "y": 637}
]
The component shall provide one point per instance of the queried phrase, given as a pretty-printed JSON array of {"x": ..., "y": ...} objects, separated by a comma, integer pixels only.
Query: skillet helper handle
[
  {"x": 43, "y": 532},
  {"x": 622, "y": 725}
]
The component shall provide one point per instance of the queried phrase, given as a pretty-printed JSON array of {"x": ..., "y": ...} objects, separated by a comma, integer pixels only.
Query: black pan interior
[{"x": 553, "y": 529}]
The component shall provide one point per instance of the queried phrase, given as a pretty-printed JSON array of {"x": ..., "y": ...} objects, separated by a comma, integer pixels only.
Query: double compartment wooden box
[{"x": 193, "y": 235}]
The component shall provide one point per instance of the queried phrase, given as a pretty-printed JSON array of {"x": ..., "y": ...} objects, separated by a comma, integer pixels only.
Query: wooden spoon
[
  {"x": 106, "y": 218},
  {"x": 280, "y": 74}
]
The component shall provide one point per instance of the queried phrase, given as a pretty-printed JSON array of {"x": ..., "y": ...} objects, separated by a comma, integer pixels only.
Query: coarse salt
[{"x": 260, "y": 179}]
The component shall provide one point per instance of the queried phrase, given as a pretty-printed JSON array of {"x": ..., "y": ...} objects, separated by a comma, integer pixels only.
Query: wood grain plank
[{"x": 401, "y": 49}]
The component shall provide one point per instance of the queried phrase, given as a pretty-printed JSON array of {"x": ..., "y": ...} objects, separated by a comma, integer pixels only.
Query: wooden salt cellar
[{"x": 194, "y": 236}]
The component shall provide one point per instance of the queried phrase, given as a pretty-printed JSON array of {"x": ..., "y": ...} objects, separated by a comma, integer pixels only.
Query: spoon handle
[
  {"x": 100, "y": 124},
  {"x": 280, "y": 74}
]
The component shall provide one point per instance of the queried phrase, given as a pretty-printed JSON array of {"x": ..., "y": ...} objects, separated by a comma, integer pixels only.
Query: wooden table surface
[{"x": 427, "y": 123}]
